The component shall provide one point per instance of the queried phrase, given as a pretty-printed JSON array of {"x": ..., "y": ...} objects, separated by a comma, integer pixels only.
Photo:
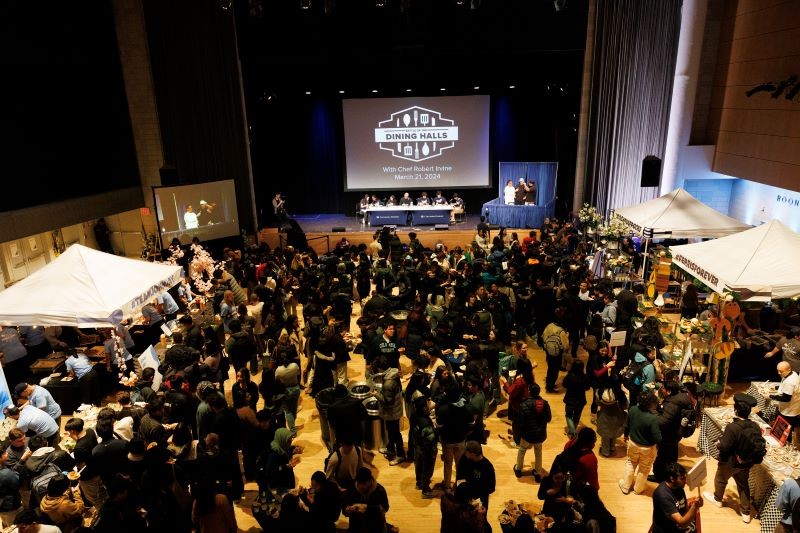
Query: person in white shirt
[
  {"x": 190, "y": 218},
  {"x": 584, "y": 292},
  {"x": 508, "y": 193},
  {"x": 788, "y": 397}
]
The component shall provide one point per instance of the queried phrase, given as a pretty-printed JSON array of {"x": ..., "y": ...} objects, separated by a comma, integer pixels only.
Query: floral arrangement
[
  {"x": 202, "y": 268},
  {"x": 589, "y": 216},
  {"x": 614, "y": 229},
  {"x": 177, "y": 253}
]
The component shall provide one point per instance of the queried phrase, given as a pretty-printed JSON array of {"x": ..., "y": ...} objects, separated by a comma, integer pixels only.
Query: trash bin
[
  {"x": 361, "y": 390},
  {"x": 324, "y": 398},
  {"x": 375, "y": 436}
]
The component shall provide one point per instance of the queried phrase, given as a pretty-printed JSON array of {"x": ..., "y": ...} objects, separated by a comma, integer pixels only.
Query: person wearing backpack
[
  {"x": 679, "y": 417},
  {"x": 555, "y": 343},
  {"x": 740, "y": 447},
  {"x": 343, "y": 462},
  {"x": 639, "y": 373},
  {"x": 533, "y": 416}
]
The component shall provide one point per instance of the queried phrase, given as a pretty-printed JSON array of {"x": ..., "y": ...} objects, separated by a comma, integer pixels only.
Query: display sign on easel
[
  {"x": 696, "y": 476},
  {"x": 617, "y": 338},
  {"x": 149, "y": 359}
]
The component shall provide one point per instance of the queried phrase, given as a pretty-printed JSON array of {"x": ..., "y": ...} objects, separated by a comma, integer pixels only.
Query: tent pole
[{"x": 644, "y": 259}]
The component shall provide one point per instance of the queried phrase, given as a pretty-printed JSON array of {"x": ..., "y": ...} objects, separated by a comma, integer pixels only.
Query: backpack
[
  {"x": 338, "y": 455},
  {"x": 552, "y": 344},
  {"x": 39, "y": 483},
  {"x": 751, "y": 446},
  {"x": 633, "y": 374}
]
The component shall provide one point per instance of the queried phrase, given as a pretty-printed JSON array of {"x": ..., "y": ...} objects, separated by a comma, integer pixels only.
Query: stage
[{"x": 319, "y": 230}]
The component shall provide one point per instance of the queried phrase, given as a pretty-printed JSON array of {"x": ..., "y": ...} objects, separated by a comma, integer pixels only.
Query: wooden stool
[{"x": 713, "y": 393}]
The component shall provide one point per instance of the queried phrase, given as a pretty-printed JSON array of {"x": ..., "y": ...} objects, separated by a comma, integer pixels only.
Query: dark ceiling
[{"x": 358, "y": 45}]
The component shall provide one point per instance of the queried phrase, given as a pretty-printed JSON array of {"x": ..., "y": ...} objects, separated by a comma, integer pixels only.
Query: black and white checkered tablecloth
[
  {"x": 767, "y": 406},
  {"x": 763, "y": 487}
]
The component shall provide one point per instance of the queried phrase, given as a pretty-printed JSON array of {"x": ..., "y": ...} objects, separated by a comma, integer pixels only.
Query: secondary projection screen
[
  {"x": 416, "y": 143},
  {"x": 204, "y": 210}
]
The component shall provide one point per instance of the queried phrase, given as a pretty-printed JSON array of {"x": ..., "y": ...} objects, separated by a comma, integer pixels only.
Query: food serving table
[
  {"x": 765, "y": 478},
  {"x": 760, "y": 390}
]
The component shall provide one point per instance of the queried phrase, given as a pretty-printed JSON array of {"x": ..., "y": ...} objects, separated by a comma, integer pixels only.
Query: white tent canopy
[
  {"x": 679, "y": 215},
  {"x": 762, "y": 263},
  {"x": 85, "y": 288}
]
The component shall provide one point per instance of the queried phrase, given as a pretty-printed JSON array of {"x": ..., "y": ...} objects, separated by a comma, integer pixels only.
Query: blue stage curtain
[{"x": 544, "y": 174}]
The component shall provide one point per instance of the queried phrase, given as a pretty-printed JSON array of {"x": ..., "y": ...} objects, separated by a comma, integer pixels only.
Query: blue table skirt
[
  {"x": 418, "y": 217},
  {"x": 516, "y": 216},
  {"x": 431, "y": 216},
  {"x": 379, "y": 218}
]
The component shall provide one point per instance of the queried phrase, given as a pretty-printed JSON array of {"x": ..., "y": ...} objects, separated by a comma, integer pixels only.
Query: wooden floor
[{"x": 411, "y": 513}]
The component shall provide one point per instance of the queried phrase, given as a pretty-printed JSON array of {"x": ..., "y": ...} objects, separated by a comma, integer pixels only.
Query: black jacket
[
  {"x": 532, "y": 418},
  {"x": 670, "y": 418}
]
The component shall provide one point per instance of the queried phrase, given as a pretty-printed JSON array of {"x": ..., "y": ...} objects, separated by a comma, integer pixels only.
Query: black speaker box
[
  {"x": 651, "y": 171},
  {"x": 440, "y": 227},
  {"x": 338, "y": 229}
]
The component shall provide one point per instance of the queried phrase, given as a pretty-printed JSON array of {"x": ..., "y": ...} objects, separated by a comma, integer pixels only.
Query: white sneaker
[
  {"x": 625, "y": 489},
  {"x": 746, "y": 518},
  {"x": 712, "y": 499}
]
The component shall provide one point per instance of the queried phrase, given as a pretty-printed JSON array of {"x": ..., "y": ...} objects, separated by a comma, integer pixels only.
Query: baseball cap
[
  {"x": 20, "y": 388},
  {"x": 746, "y": 399}
]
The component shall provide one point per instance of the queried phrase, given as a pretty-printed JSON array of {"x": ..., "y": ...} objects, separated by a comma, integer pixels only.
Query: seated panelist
[
  {"x": 391, "y": 201},
  {"x": 439, "y": 199},
  {"x": 406, "y": 199},
  {"x": 424, "y": 200}
]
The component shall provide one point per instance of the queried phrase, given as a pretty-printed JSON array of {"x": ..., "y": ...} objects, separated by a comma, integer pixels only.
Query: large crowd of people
[{"x": 443, "y": 339}]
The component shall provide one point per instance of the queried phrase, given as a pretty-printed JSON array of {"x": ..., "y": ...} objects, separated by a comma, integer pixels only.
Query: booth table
[
  {"x": 67, "y": 394},
  {"x": 401, "y": 214},
  {"x": 765, "y": 479},
  {"x": 516, "y": 216},
  {"x": 759, "y": 391}
]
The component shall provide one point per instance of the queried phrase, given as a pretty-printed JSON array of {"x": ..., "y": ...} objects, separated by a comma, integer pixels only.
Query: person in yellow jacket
[{"x": 63, "y": 504}]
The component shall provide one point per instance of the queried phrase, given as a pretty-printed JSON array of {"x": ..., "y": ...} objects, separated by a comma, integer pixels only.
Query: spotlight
[
  {"x": 476, "y": 88},
  {"x": 374, "y": 90},
  {"x": 442, "y": 89},
  {"x": 512, "y": 86},
  {"x": 308, "y": 92},
  {"x": 408, "y": 90},
  {"x": 341, "y": 92}
]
